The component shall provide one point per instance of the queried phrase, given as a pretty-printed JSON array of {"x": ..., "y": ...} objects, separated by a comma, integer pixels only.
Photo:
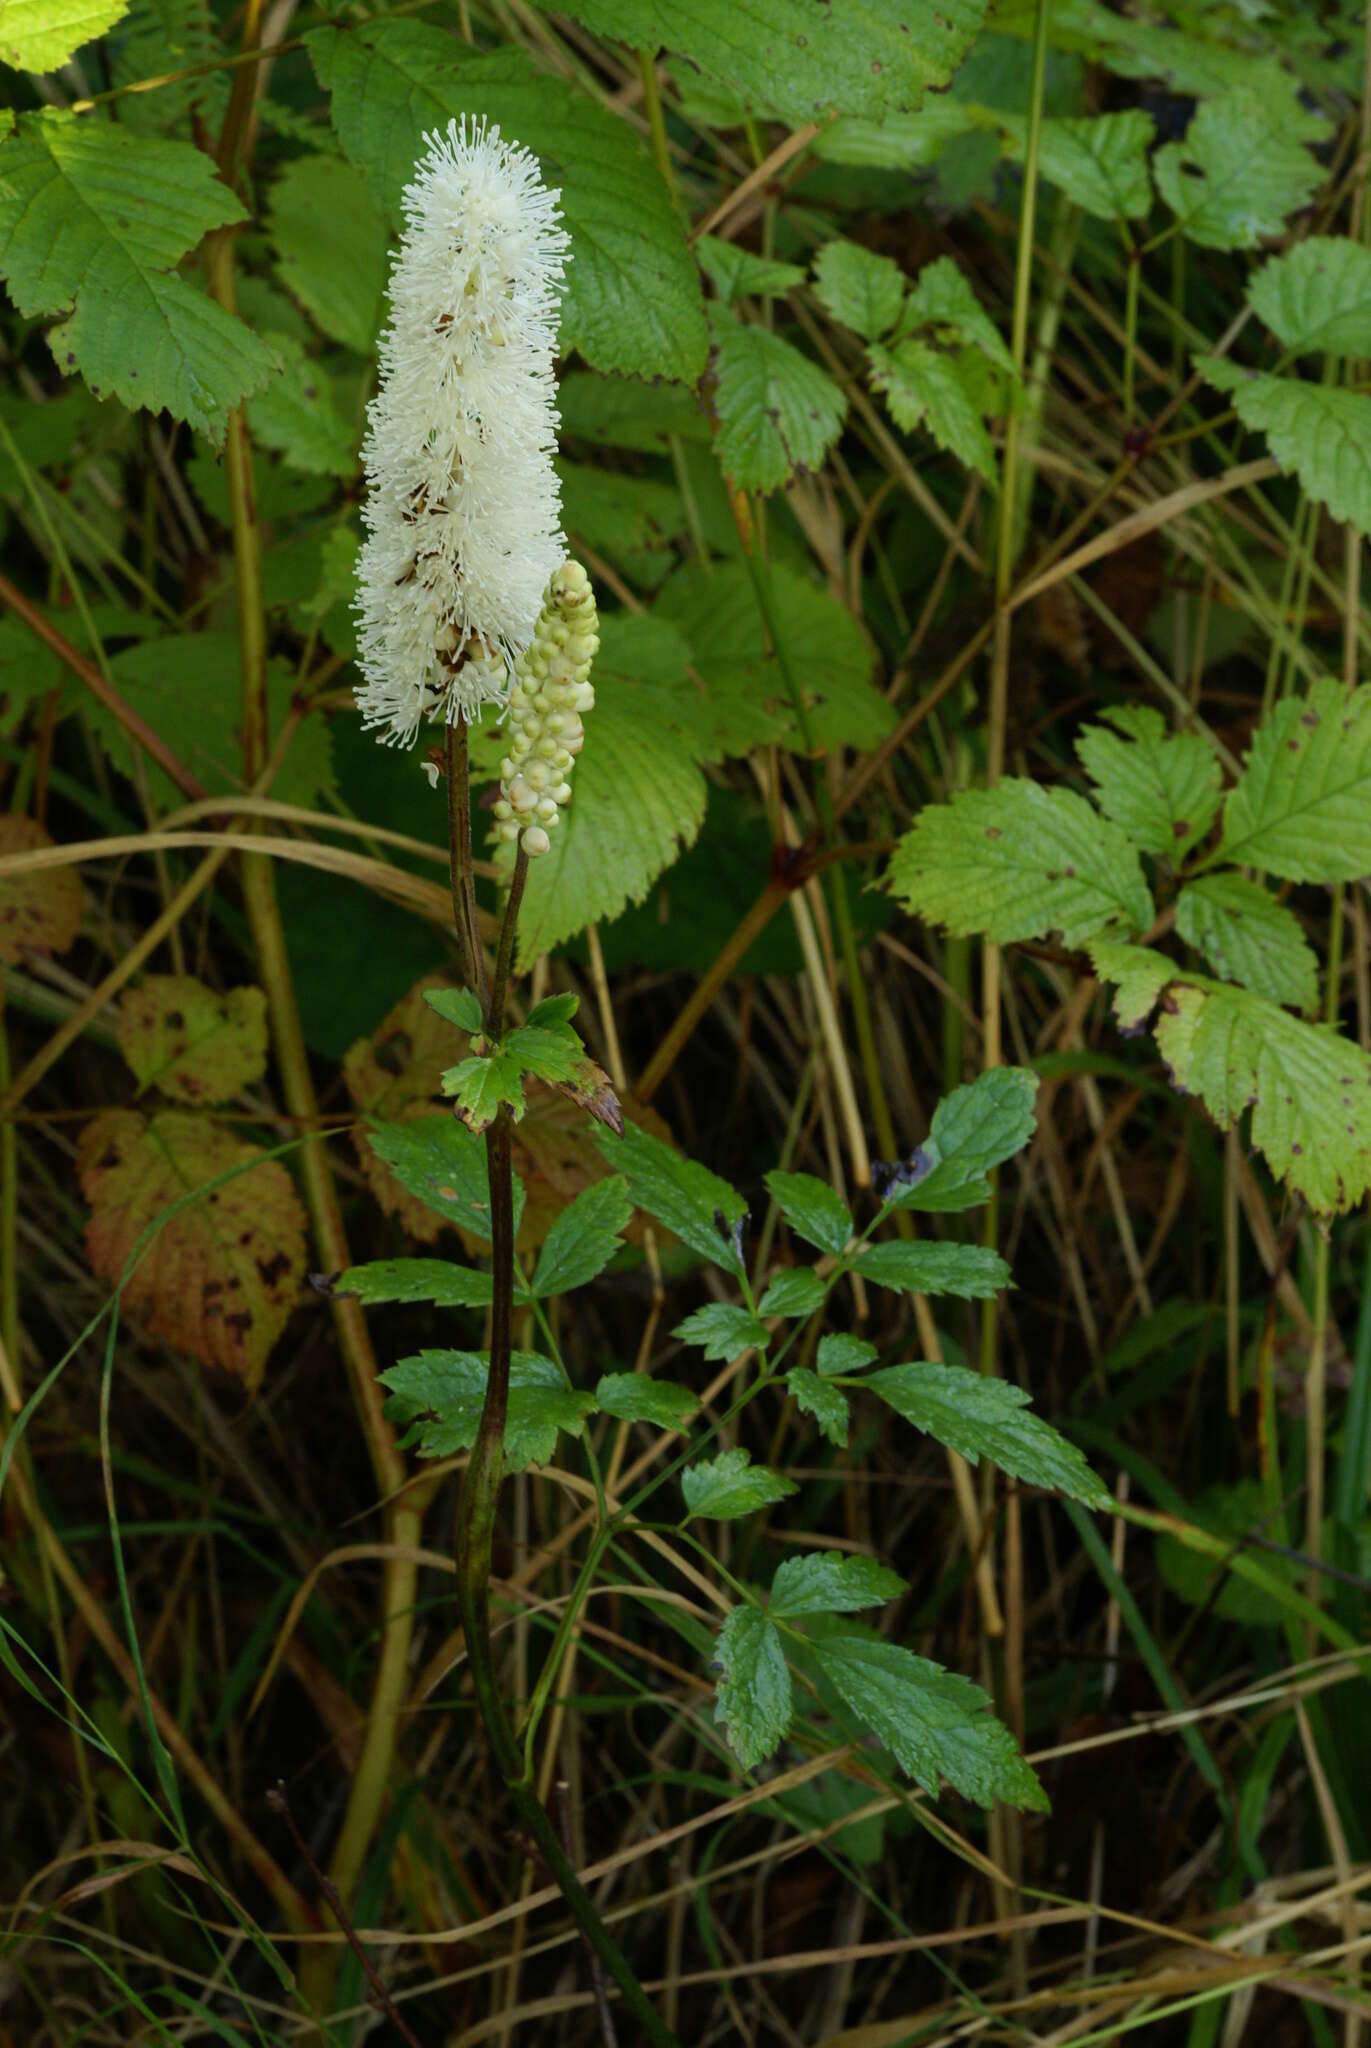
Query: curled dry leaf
[
  {"x": 39, "y": 912},
  {"x": 222, "y": 1275}
]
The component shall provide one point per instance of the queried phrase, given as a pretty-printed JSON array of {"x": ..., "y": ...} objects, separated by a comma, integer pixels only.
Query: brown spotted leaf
[
  {"x": 192, "y": 1044},
  {"x": 39, "y": 912},
  {"x": 221, "y": 1277}
]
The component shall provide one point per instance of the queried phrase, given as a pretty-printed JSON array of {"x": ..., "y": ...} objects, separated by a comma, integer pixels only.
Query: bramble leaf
[
  {"x": 441, "y": 1394},
  {"x": 220, "y": 1278},
  {"x": 192, "y": 1044},
  {"x": 987, "y": 1418},
  {"x": 722, "y": 1488},
  {"x": 1099, "y": 162},
  {"x": 40, "y": 35},
  {"x": 1243, "y": 167},
  {"x": 1247, "y": 937},
  {"x": 934, "y": 1724},
  {"x": 40, "y": 912},
  {"x": 1020, "y": 862},
  {"x": 863, "y": 290},
  {"x": 925, "y": 388},
  {"x": 828, "y": 1582},
  {"x": 778, "y": 412},
  {"x": 1162, "y": 788},
  {"x": 1320, "y": 433},
  {"x": 1317, "y": 296},
  {"x": 754, "y": 1692},
  {"x": 330, "y": 245},
  {"x": 1302, "y": 806},
  {"x": 633, "y": 1397},
  {"x": 736, "y": 273}
]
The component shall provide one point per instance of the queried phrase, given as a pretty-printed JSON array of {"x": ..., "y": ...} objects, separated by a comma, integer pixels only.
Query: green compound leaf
[
  {"x": 1141, "y": 975},
  {"x": 191, "y": 1043},
  {"x": 748, "y": 702},
  {"x": 863, "y": 290},
  {"x": 638, "y": 797},
  {"x": 1317, "y": 432},
  {"x": 841, "y": 1352},
  {"x": 723, "y": 1331},
  {"x": 482, "y": 1084},
  {"x": 1317, "y": 296},
  {"x": 456, "y": 1006},
  {"x": 633, "y": 1397},
  {"x": 702, "y": 1210},
  {"x": 93, "y": 222},
  {"x": 551, "y": 1051},
  {"x": 40, "y": 35},
  {"x": 440, "y": 1394},
  {"x": 799, "y": 61},
  {"x": 298, "y": 416},
  {"x": 812, "y": 1208},
  {"x": 754, "y": 1697},
  {"x": 1308, "y": 1087},
  {"x": 1162, "y": 788},
  {"x": 1247, "y": 937},
  {"x": 1302, "y": 807},
  {"x": 1100, "y": 163},
  {"x": 584, "y": 1238},
  {"x": 778, "y": 412},
  {"x": 967, "y": 1270},
  {"x": 934, "y": 1724},
  {"x": 797, "y": 1292},
  {"x": 924, "y": 388},
  {"x": 440, "y": 1163},
  {"x": 330, "y": 244},
  {"x": 943, "y": 306},
  {"x": 974, "y": 1130},
  {"x": 436, "y": 1280},
  {"x": 720, "y": 1489},
  {"x": 1020, "y": 862},
  {"x": 632, "y": 299},
  {"x": 827, "y": 1582},
  {"x": 736, "y": 273},
  {"x": 821, "y": 1399},
  {"x": 987, "y": 1418},
  {"x": 1243, "y": 167}
]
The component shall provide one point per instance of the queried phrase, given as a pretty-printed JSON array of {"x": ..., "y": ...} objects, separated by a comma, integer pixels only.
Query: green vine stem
[{"x": 481, "y": 1486}]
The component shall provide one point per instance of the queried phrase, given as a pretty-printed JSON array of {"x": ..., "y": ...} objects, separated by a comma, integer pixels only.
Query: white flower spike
[
  {"x": 463, "y": 506},
  {"x": 552, "y": 688}
]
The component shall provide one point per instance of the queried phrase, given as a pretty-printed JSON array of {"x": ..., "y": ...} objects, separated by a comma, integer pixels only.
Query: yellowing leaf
[
  {"x": 192, "y": 1044},
  {"x": 221, "y": 1276},
  {"x": 39, "y": 912},
  {"x": 40, "y": 35}
]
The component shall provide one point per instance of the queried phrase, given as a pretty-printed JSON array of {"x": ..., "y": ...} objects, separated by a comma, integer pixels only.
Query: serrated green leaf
[
  {"x": 633, "y": 1397},
  {"x": 702, "y": 1210},
  {"x": 1308, "y": 1087},
  {"x": 553, "y": 1011},
  {"x": 1141, "y": 975},
  {"x": 1099, "y": 162},
  {"x": 437, "y": 1280},
  {"x": 1020, "y": 862},
  {"x": 40, "y": 35},
  {"x": 943, "y": 306},
  {"x": 330, "y": 244},
  {"x": 296, "y": 414},
  {"x": 1320, "y": 433},
  {"x": 633, "y": 521},
  {"x": 159, "y": 39},
  {"x": 924, "y": 388},
  {"x": 1243, "y": 167},
  {"x": 813, "y": 1209},
  {"x": 638, "y": 798},
  {"x": 974, "y": 1130},
  {"x": 632, "y": 299},
  {"x": 748, "y": 704},
  {"x": 1317, "y": 296},
  {"x": 1162, "y": 788},
  {"x": 193, "y": 1044},
  {"x": 987, "y": 1418},
  {"x": 967, "y": 1270},
  {"x": 723, "y": 1331},
  {"x": 803, "y": 63},
  {"x": 1247, "y": 937},
  {"x": 934, "y": 1724},
  {"x": 93, "y": 221},
  {"x": 862, "y": 289},
  {"x": 737, "y": 273},
  {"x": 827, "y": 1582},
  {"x": 754, "y": 1685},
  {"x": 797, "y": 1292},
  {"x": 443, "y": 1166},
  {"x": 456, "y": 1006},
  {"x": 719, "y": 1489},
  {"x": 840, "y": 1352},
  {"x": 584, "y": 1237},
  {"x": 482, "y": 1084},
  {"x": 1302, "y": 806},
  {"x": 551, "y": 1051},
  {"x": 623, "y": 412},
  {"x": 903, "y": 142},
  {"x": 821, "y": 1399},
  {"x": 778, "y": 412},
  {"x": 441, "y": 1395}
]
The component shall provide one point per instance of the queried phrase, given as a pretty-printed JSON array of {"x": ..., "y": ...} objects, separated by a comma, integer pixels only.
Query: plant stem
[
  {"x": 459, "y": 835},
  {"x": 495, "y": 1009}
]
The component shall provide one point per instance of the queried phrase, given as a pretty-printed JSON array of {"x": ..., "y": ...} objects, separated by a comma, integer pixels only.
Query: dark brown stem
[
  {"x": 278, "y": 1802},
  {"x": 495, "y": 1012},
  {"x": 462, "y": 866}
]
